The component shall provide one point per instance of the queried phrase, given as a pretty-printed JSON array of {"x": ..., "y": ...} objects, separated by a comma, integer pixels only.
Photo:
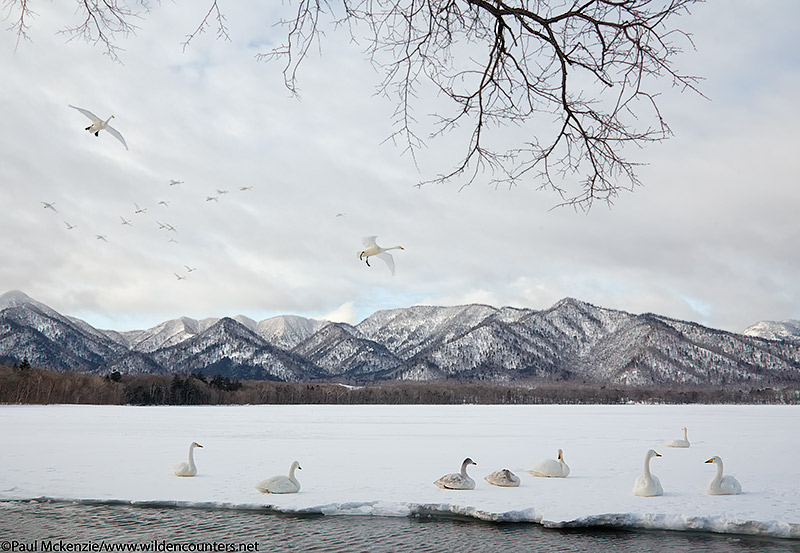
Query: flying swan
[
  {"x": 503, "y": 478},
  {"x": 281, "y": 484},
  {"x": 187, "y": 468},
  {"x": 99, "y": 125},
  {"x": 458, "y": 480},
  {"x": 722, "y": 485},
  {"x": 551, "y": 468},
  {"x": 373, "y": 249},
  {"x": 647, "y": 485},
  {"x": 679, "y": 443}
]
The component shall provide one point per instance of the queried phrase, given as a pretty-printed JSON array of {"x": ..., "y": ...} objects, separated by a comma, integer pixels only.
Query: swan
[
  {"x": 679, "y": 443},
  {"x": 723, "y": 485},
  {"x": 551, "y": 468},
  {"x": 98, "y": 125},
  {"x": 373, "y": 249},
  {"x": 125, "y": 221},
  {"x": 101, "y": 237},
  {"x": 648, "y": 485},
  {"x": 212, "y": 198},
  {"x": 187, "y": 468},
  {"x": 503, "y": 478},
  {"x": 179, "y": 277},
  {"x": 69, "y": 227},
  {"x": 49, "y": 205},
  {"x": 281, "y": 484},
  {"x": 458, "y": 480},
  {"x": 139, "y": 209}
]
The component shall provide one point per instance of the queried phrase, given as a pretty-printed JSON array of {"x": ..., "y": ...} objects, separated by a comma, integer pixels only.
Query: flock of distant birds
[
  {"x": 371, "y": 248},
  {"x": 645, "y": 485}
]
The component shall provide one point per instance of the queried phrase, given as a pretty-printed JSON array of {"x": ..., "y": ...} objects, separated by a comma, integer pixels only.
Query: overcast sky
[{"x": 712, "y": 236}]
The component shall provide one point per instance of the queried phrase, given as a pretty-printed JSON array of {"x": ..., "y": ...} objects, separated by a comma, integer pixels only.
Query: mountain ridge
[{"x": 572, "y": 341}]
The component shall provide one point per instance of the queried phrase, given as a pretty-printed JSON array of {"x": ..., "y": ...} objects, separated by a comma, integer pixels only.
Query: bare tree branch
[
  {"x": 581, "y": 77},
  {"x": 214, "y": 14}
]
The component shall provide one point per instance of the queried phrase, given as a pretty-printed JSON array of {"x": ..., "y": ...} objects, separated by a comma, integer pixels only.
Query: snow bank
[{"x": 382, "y": 460}]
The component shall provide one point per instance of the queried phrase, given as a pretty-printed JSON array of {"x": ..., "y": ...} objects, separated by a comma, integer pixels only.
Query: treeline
[{"x": 24, "y": 384}]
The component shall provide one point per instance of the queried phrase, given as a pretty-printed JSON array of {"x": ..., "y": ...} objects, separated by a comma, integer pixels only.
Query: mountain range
[{"x": 571, "y": 341}]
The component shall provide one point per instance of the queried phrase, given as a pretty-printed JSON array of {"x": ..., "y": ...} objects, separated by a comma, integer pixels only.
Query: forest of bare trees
[{"x": 27, "y": 385}]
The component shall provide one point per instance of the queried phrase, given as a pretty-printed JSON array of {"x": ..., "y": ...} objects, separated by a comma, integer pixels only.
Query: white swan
[
  {"x": 281, "y": 484},
  {"x": 551, "y": 468},
  {"x": 373, "y": 249},
  {"x": 503, "y": 478},
  {"x": 187, "y": 468},
  {"x": 723, "y": 485},
  {"x": 679, "y": 443},
  {"x": 99, "y": 125},
  {"x": 458, "y": 480},
  {"x": 49, "y": 205},
  {"x": 647, "y": 485}
]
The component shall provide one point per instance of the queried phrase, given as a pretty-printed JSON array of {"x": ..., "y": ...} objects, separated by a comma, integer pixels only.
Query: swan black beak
[
  {"x": 657, "y": 454},
  {"x": 198, "y": 445},
  {"x": 710, "y": 461}
]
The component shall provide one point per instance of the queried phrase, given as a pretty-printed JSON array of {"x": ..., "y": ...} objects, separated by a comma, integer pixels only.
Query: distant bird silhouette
[
  {"x": 243, "y": 188},
  {"x": 139, "y": 209},
  {"x": 101, "y": 237},
  {"x": 173, "y": 182},
  {"x": 164, "y": 203},
  {"x": 190, "y": 269},
  {"x": 210, "y": 198},
  {"x": 221, "y": 191},
  {"x": 69, "y": 227},
  {"x": 99, "y": 125},
  {"x": 49, "y": 205},
  {"x": 179, "y": 276},
  {"x": 125, "y": 221}
]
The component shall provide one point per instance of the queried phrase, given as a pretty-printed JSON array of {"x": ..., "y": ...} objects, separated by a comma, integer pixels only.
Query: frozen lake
[{"x": 382, "y": 460}]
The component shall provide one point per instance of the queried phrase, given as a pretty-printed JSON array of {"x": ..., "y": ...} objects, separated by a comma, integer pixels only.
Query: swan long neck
[
  {"x": 685, "y": 434},
  {"x": 464, "y": 468},
  {"x": 647, "y": 465},
  {"x": 191, "y": 455},
  {"x": 107, "y": 120},
  {"x": 719, "y": 469},
  {"x": 291, "y": 472}
]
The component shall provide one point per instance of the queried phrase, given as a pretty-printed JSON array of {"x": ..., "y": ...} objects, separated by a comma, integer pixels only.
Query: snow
[{"x": 383, "y": 460}]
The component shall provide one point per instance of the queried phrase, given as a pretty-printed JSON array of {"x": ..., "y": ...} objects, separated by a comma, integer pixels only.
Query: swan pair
[
  {"x": 648, "y": 485},
  {"x": 462, "y": 481}
]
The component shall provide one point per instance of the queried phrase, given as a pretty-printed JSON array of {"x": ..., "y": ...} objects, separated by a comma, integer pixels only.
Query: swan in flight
[
  {"x": 458, "y": 480},
  {"x": 179, "y": 276},
  {"x": 125, "y": 221},
  {"x": 723, "y": 485},
  {"x": 164, "y": 203},
  {"x": 49, "y": 205},
  {"x": 220, "y": 192},
  {"x": 503, "y": 478},
  {"x": 139, "y": 209},
  {"x": 69, "y": 227},
  {"x": 99, "y": 125},
  {"x": 173, "y": 182},
  {"x": 551, "y": 468},
  {"x": 341, "y": 214},
  {"x": 281, "y": 484},
  {"x": 648, "y": 485},
  {"x": 101, "y": 237},
  {"x": 190, "y": 269},
  {"x": 245, "y": 188},
  {"x": 187, "y": 468},
  {"x": 373, "y": 249},
  {"x": 679, "y": 443},
  {"x": 210, "y": 198}
]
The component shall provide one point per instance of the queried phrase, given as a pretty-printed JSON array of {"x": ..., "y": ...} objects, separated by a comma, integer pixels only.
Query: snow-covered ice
[{"x": 383, "y": 460}]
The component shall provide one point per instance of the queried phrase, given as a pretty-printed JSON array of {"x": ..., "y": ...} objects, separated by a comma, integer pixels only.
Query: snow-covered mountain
[
  {"x": 774, "y": 330},
  {"x": 572, "y": 341}
]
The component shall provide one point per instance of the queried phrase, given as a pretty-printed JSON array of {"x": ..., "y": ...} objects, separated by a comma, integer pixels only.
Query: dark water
[{"x": 101, "y": 527}]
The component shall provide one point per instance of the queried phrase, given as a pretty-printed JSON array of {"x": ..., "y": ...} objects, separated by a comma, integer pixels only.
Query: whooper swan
[
  {"x": 458, "y": 480},
  {"x": 647, "y": 485},
  {"x": 551, "y": 468},
  {"x": 723, "y": 485},
  {"x": 187, "y": 468},
  {"x": 372, "y": 249},
  {"x": 503, "y": 478},
  {"x": 99, "y": 125},
  {"x": 281, "y": 484},
  {"x": 679, "y": 443}
]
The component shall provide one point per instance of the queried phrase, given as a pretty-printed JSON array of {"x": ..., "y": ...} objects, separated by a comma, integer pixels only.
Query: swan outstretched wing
[
  {"x": 115, "y": 133},
  {"x": 369, "y": 242},
  {"x": 388, "y": 259},
  {"x": 88, "y": 114}
]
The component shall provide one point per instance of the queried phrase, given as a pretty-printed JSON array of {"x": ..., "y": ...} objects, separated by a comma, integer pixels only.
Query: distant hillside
[
  {"x": 771, "y": 330},
  {"x": 573, "y": 342}
]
